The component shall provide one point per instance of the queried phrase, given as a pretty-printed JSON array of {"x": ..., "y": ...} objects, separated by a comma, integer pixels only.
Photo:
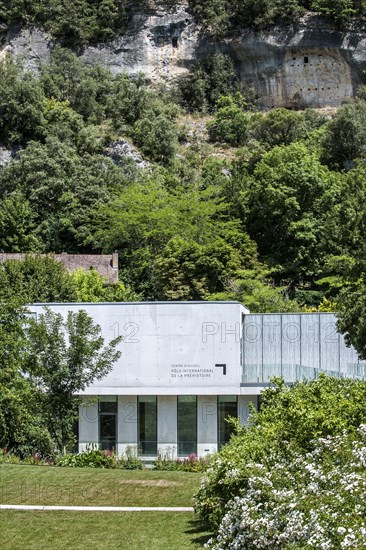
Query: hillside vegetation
[
  {"x": 266, "y": 208},
  {"x": 87, "y": 21}
]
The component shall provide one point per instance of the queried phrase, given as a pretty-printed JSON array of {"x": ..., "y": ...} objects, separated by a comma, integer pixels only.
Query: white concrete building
[{"x": 186, "y": 366}]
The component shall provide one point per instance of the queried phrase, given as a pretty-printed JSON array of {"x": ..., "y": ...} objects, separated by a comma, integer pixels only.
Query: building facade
[{"x": 187, "y": 366}]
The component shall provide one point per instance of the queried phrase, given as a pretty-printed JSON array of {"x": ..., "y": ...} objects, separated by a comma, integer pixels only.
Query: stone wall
[{"x": 105, "y": 264}]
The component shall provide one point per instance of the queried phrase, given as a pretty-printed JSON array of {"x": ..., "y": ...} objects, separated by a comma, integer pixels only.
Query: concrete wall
[
  {"x": 168, "y": 347},
  {"x": 167, "y": 426},
  {"x": 127, "y": 425},
  {"x": 206, "y": 424},
  {"x": 88, "y": 423}
]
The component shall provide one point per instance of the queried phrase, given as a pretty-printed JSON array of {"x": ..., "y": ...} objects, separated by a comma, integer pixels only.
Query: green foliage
[
  {"x": 97, "y": 458},
  {"x": 219, "y": 18},
  {"x": 345, "y": 135},
  {"x": 296, "y": 415},
  {"x": 128, "y": 100},
  {"x": 21, "y": 423},
  {"x": 190, "y": 464},
  {"x": 230, "y": 123},
  {"x": 295, "y": 500},
  {"x": 208, "y": 80},
  {"x": 89, "y": 21},
  {"x": 156, "y": 137},
  {"x": 174, "y": 245},
  {"x": 340, "y": 10},
  {"x": 90, "y": 286},
  {"x": 91, "y": 458},
  {"x": 17, "y": 225},
  {"x": 86, "y": 89},
  {"x": 62, "y": 188},
  {"x": 76, "y": 22},
  {"x": 288, "y": 201},
  {"x": 36, "y": 279},
  {"x": 21, "y": 104},
  {"x": 278, "y": 127},
  {"x": 65, "y": 356}
]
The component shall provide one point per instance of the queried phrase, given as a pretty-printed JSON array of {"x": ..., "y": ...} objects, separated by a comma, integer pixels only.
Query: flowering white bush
[{"x": 313, "y": 500}]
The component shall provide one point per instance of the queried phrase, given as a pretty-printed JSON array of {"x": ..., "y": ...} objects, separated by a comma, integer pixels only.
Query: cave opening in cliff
[
  {"x": 175, "y": 42},
  {"x": 306, "y": 59}
]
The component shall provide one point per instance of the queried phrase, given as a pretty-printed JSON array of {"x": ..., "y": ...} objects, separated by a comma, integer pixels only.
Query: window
[
  {"x": 187, "y": 424},
  {"x": 108, "y": 422},
  {"x": 147, "y": 425},
  {"x": 227, "y": 405}
]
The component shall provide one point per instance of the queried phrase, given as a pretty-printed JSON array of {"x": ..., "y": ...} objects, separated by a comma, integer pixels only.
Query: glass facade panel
[
  {"x": 147, "y": 425},
  {"x": 187, "y": 425},
  {"x": 227, "y": 405},
  {"x": 108, "y": 422}
]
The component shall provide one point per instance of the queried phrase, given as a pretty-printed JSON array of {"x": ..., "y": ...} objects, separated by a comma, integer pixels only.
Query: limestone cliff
[{"x": 308, "y": 63}]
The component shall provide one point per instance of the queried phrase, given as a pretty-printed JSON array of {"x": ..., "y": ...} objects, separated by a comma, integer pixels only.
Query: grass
[
  {"x": 51, "y": 485},
  {"x": 94, "y": 530}
]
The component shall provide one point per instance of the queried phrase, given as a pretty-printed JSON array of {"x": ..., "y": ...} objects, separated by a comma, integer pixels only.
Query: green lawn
[
  {"x": 50, "y": 485},
  {"x": 58, "y": 530},
  {"x": 96, "y": 530}
]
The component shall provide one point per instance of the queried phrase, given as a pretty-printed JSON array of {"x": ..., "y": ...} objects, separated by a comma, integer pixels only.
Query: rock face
[
  {"x": 30, "y": 45},
  {"x": 308, "y": 63},
  {"x": 160, "y": 44},
  {"x": 6, "y": 155},
  {"x": 121, "y": 150}
]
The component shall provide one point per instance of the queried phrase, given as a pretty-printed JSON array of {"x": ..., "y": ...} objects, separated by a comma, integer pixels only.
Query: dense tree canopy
[{"x": 271, "y": 214}]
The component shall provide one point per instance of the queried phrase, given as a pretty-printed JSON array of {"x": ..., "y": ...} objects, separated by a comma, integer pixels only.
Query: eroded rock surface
[
  {"x": 121, "y": 152},
  {"x": 308, "y": 63},
  {"x": 6, "y": 155}
]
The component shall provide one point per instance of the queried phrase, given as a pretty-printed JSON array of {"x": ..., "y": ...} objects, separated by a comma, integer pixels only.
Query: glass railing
[{"x": 262, "y": 374}]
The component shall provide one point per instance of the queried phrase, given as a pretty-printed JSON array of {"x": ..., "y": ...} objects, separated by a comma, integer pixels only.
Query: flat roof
[{"x": 216, "y": 302}]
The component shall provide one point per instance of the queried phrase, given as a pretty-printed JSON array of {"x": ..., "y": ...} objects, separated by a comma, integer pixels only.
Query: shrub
[
  {"x": 131, "y": 463},
  {"x": 190, "y": 464},
  {"x": 157, "y": 137},
  {"x": 230, "y": 123},
  {"x": 98, "y": 458},
  {"x": 91, "y": 458},
  {"x": 298, "y": 416},
  {"x": 294, "y": 500}
]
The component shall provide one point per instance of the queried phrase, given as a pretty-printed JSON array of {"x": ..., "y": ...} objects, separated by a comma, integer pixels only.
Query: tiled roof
[{"x": 105, "y": 264}]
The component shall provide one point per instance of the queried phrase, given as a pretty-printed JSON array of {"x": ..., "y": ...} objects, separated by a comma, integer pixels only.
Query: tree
[
  {"x": 17, "y": 225},
  {"x": 278, "y": 127},
  {"x": 65, "y": 357},
  {"x": 90, "y": 286},
  {"x": 174, "y": 243},
  {"x": 340, "y": 10},
  {"x": 157, "y": 137},
  {"x": 21, "y": 427},
  {"x": 21, "y": 104},
  {"x": 288, "y": 201},
  {"x": 35, "y": 279},
  {"x": 62, "y": 188},
  {"x": 230, "y": 123},
  {"x": 345, "y": 135},
  {"x": 208, "y": 80}
]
